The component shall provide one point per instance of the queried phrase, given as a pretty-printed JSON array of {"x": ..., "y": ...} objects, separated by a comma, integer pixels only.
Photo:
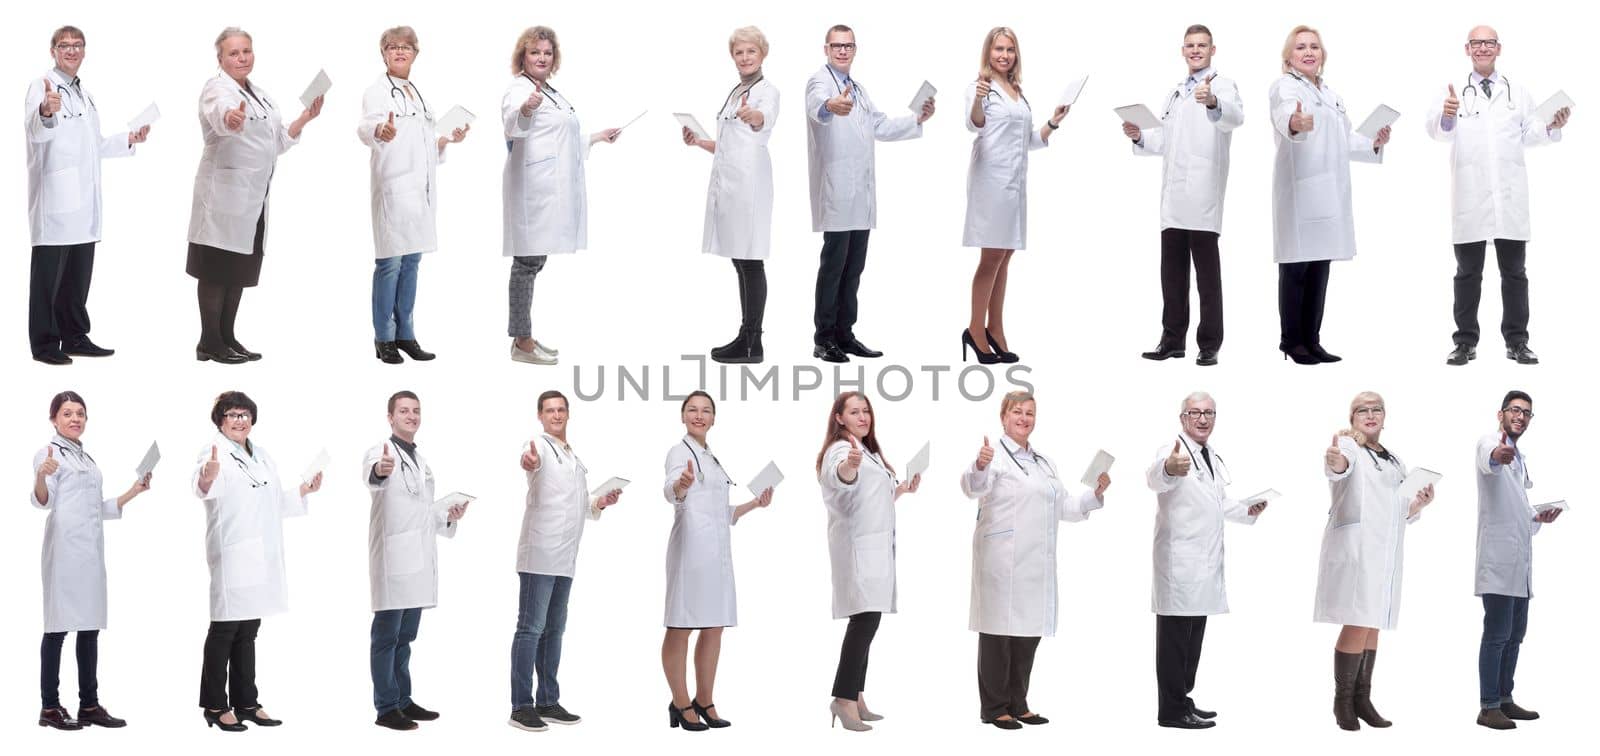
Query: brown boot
[
  {"x": 1363, "y": 692},
  {"x": 1495, "y": 719},
  {"x": 1513, "y": 711},
  {"x": 1345, "y": 668}
]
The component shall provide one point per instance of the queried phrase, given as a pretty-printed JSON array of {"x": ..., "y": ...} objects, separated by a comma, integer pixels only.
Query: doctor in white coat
[
  {"x": 407, "y": 148},
  {"x": 1015, "y": 601},
  {"x": 843, "y": 127},
  {"x": 700, "y": 592},
  {"x": 738, "y": 221},
  {"x": 1191, "y": 484},
  {"x": 244, "y": 135},
  {"x": 547, "y": 558},
  {"x": 543, "y": 192},
  {"x": 1193, "y": 142},
  {"x": 1504, "y": 574},
  {"x": 402, "y": 558},
  {"x": 1488, "y": 121},
  {"x": 1363, "y": 550},
  {"x": 65, "y": 147},
  {"x": 245, "y": 502},
  {"x": 1313, "y": 221},
  {"x": 67, "y": 484},
  {"x": 859, "y": 490},
  {"x": 997, "y": 186}
]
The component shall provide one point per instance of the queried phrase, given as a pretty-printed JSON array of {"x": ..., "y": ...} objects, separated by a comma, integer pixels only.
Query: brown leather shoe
[
  {"x": 58, "y": 718},
  {"x": 99, "y": 717},
  {"x": 1495, "y": 719},
  {"x": 1513, "y": 711}
]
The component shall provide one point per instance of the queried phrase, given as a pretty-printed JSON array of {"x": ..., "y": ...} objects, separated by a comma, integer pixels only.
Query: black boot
[
  {"x": 1363, "y": 692},
  {"x": 745, "y": 349},
  {"x": 1345, "y": 669},
  {"x": 388, "y": 352},
  {"x": 727, "y": 350}
]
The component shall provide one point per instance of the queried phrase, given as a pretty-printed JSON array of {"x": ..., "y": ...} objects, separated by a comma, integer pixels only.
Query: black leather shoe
[
  {"x": 1322, "y": 355},
  {"x": 387, "y": 352},
  {"x": 247, "y": 354},
  {"x": 214, "y": 719},
  {"x": 705, "y": 715},
  {"x": 99, "y": 717},
  {"x": 413, "y": 711},
  {"x": 252, "y": 714},
  {"x": 854, "y": 346},
  {"x": 1522, "y": 354},
  {"x": 1163, "y": 352},
  {"x": 1033, "y": 719},
  {"x": 1006, "y": 357},
  {"x": 1202, "y": 713},
  {"x": 414, "y": 350},
  {"x": 394, "y": 720},
  {"x": 53, "y": 357},
  {"x": 1207, "y": 357},
  {"x": 225, "y": 356},
  {"x": 83, "y": 347},
  {"x": 1006, "y": 724},
  {"x": 58, "y": 718},
  {"x": 829, "y": 352},
  {"x": 1187, "y": 722},
  {"x": 1510, "y": 709},
  {"x": 1461, "y": 355},
  {"x": 1300, "y": 355},
  {"x": 984, "y": 358}
]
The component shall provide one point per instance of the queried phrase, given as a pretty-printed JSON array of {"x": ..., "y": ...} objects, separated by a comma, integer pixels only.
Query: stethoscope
[
  {"x": 1224, "y": 478},
  {"x": 1316, "y": 93},
  {"x": 257, "y": 107},
  {"x": 75, "y": 451},
  {"x": 699, "y": 467},
  {"x": 1038, "y": 459},
  {"x": 74, "y": 91},
  {"x": 1179, "y": 92},
  {"x": 398, "y": 95},
  {"x": 559, "y": 460},
  {"x": 1391, "y": 456},
  {"x": 412, "y": 480},
  {"x": 547, "y": 89},
  {"x": 245, "y": 468},
  {"x": 1476, "y": 108},
  {"x": 729, "y": 99},
  {"x": 866, "y": 453},
  {"x": 993, "y": 90}
]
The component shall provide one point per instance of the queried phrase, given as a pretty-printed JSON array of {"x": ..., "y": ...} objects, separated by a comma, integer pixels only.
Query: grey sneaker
[
  {"x": 558, "y": 715},
  {"x": 527, "y": 719}
]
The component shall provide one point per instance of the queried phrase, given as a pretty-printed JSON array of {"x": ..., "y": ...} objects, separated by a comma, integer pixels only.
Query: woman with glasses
[
  {"x": 1021, "y": 500},
  {"x": 244, "y": 135},
  {"x": 1363, "y": 549},
  {"x": 67, "y": 484},
  {"x": 700, "y": 593},
  {"x": 407, "y": 147},
  {"x": 245, "y": 503}
]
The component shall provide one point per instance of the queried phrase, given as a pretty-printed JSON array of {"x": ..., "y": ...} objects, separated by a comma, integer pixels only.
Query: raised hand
[
  {"x": 530, "y": 458},
  {"x": 984, "y": 87},
  {"x": 1178, "y": 463},
  {"x": 765, "y": 498},
  {"x": 138, "y": 137},
  {"x": 609, "y": 499},
  {"x": 927, "y": 110},
  {"x": 1257, "y": 508},
  {"x": 841, "y": 104},
  {"x": 680, "y": 487},
  {"x": 1504, "y": 453},
  {"x": 313, "y": 486},
  {"x": 985, "y": 455},
  {"x": 1561, "y": 119},
  {"x": 52, "y": 100},
  {"x": 909, "y": 486},
  {"x": 385, "y": 466},
  {"x": 1334, "y": 458},
  {"x": 50, "y": 465},
  {"x": 852, "y": 461},
  {"x": 210, "y": 470},
  {"x": 385, "y": 132},
  {"x": 1301, "y": 121},
  {"x": 535, "y": 99},
  {"x": 1131, "y": 131},
  {"x": 1101, "y": 484},
  {"x": 1383, "y": 138},
  {"x": 234, "y": 119},
  {"x": 1202, "y": 93},
  {"x": 1452, "y": 103},
  {"x": 752, "y": 117}
]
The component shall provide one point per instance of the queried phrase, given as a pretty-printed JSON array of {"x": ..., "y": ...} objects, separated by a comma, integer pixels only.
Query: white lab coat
[
  {"x": 402, "y": 532},
  {"x": 557, "y": 504},
  {"x": 861, "y": 547},
  {"x": 230, "y": 188},
  {"x": 1506, "y": 524},
  {"x": 64, "y": 153},
  {"x": 700, "y": 591},
  {"x": 1488, "y": 176},
  {"x": 1313, "y": 217},
  {"x": 1363, "y": 546},
  {"x": 545, "y": 200},
  {"x": 997, "y": 177},
  {"x": 839, "y": 152},
  {"x": 73, "y": 562},
  {"x": 1193, "y": 142},
  {"x": 1187, "y": 579},
  {"x": 739, "y": 198},
  {"x": 1020, "y": 503},
  {"x": 405, "y": 183},
  {"x": 244, "y": 531}
]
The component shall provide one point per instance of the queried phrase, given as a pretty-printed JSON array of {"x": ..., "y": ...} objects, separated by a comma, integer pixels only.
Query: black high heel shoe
[
  {"x": 1007, "y": 357},
  {"x": 1300, "y": 355},
  {"x": 675, "y": 718},
  {"x": 214, "y": 719},
  {"x": 1321, "y": 354},
  {"x": 984, "y": 358},
  {"x": 705, "y": 716},
  {"x": 252, "y": 714}
]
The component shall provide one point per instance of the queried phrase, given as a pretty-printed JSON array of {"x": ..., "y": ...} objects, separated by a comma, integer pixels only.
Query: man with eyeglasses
[
  {"x": 1488, "y": 121},
  {"x": 842, "y": 126},
  {"x": 1190, "y": 481},
  {"x": 1504, "y": 579},
  {"x": 64, "y": 151},
  {"x": 402, "y": 558}
]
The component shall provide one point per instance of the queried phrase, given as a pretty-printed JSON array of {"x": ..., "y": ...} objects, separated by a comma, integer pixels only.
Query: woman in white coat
[
  {"x": 700, "y": 592},
  {"x": 1313, "y": 220},
  {"x": 859, "y": 489},
  {"x": 244, "y": 135},
  {"x": 245, "y": 503},
  {"x": 67, "y": 484},
  {"x": 997, "y": 186},
  {"x": 1363, "y": 549},
  {"x": 402, "y": 131},
  {"x": 739, "y": 201},
  {"x": 1021, "y": 500},
  {"x": 543, "y": 190}
]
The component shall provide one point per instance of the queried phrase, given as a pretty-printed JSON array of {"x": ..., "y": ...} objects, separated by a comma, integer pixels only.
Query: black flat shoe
[
  {"x": 853, "y": 346},
  {"x": 53, "y": 357},
  {"x": 239, "y": 349},
  {"x": 1461, "y": 355},
  {"x": 1301, "y": 356},
  {"x": 1006, "y": 357},
  {"x": 1207, "y": 358},
  {"x": 387, "y": 352},
  {"x": 85, "y": 348},
  {"x": 984, "y": 358},
  {"x": 58, "y": 718},
  {"x": 1187, "y": 722},
  {"x": 1163, "y": 352},
  {"x": 1006, "y": 724},
  {"x": 705, "y": 715},
  {"x": 225, "y": 356},
  {"x": 415, "y": 712},
  {"x": 675, "y": 719},
  {"x": 99, "y": 717},
  {"x": 394, "y": 720},
  {"x": 1202, "y": 713},
  {"x": 214, "y": 719},
  {"x": 829, "y": 352},
  {"x": 252, "y": 715},
  {"x": 1322, "y": 355},
  {"x": 414, "y": 350},
  {"x": 1522, "y": 354},
  {"x": 1033, "y": 719}
]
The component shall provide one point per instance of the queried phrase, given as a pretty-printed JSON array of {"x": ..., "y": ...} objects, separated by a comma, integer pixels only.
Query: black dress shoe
[
  {"x": 984, "y": 358},
  {"x": 1522, "y": 354},
  {"x": 58, "y": 718},
  {"x": 1006, "y": 724},
  {"x": 414, "y": 350},
  {"x": 394, "y": 720},
  {"x": 1207, "y": 357},
  {"x": 214, "y": 719},
  {"x": 1187, "y": 722},
  {"x": 1006, "y": 357},
  {"x": 53, "y": 357},
  {"x": 854, "y": 346},
  {"x": 83, "y": 347},
  {"x": 1163, "y": 352},
  {"x": 705, "y": 715},
  {"x": 252, "y": 714},
  {"x": 413, "y": 711},
  {"x": 99, "y": 717},
  {"x": 1322, "y": 355},
  {"x": 1300, "y": 355},
  {"x": 387, "y": 352},
  {"x": 1202, "y": 713},
  {"x": 225, "y": 356},
  {"x": 1033, "y": 719},
  {"x": 239, "y": 349},
  {"x": 829, "y": 352},
  {"x": 1461, "y": 355}
]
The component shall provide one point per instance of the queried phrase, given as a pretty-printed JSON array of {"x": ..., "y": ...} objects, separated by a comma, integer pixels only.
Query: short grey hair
[
  {"x": 232, "y": 31},
  {"x": 1194, "y": 398},
  {"x": 748, "y": 34},
  {"x": 402, "y": 34}
]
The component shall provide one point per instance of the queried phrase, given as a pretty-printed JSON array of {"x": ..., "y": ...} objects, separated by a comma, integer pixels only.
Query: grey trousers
[{"x": 519, "y": 315}]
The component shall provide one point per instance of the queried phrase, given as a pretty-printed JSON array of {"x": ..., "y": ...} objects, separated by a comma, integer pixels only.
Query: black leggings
[
  {"x": 50, "y": 669},
  {"x": 219, "y": 308},
  {"x": 851, "y": 678},
  {"x": 752, "y": 293},
  {"x": 230, "y": 660}
]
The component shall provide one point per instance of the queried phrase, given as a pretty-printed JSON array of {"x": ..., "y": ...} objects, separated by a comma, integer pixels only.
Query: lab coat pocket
[
  {"x": 874, "y": 565},
  {"x": 244, "y": 564},
  {"x": 63, "y": 193},
  {"x": 1344, "y": 544},
  {"x": 230, "y": 191},
  {"x": 1317, "y": 198},
  {"x": 403, "y": 206},
  {"x": 402, "y": 553}
]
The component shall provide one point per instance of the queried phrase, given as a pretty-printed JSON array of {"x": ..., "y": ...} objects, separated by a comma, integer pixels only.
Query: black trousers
[
  {"x": 229, "y": 668},
  {"x": 851, "y": 677},
  {"x": 752, "y": 276},
  {"x": 58, "y": 295},
  {"x": 50, "y": 669},
  {"x": 1005, "y": 664},
  {"x": 1302, "y": 293},
  {"x": 1178, "y": 247},
  {"x": 844, "y": 256},
  {"x": 1512, "y": 255},
  {"x": 1178, "y": 642}
]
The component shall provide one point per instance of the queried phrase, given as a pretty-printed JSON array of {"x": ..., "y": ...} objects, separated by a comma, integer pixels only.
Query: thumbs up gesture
[
  {"x": 852, "y": 461},
  {"x": 1202, "y": 93},
  {"x": 1504, "y": 453},
  {"x": 1301, "y": 121},
  {"x": 234, "y": 119},
  {"x": 385, "y": 132},
  {"x": 385, "y": 464},
  {"x": 1334, "y": 458},
  {"x": 1178, "y": 463},
  {"x": 680, "y": 487},
  {"x": 749, "y": 115},
  {"x": 50, "y": 464},
  {"x": 535, "y": 99},
  {"x": 983, "y": 89},
  {"x": 841, "y": 104},
  {"x": 530, "y": 458},
  {"x": 210, "y": 470},
  {"x": 52, "y": 100},
  {"x": 985, "y": 455},
  {"x": 1452, "y": 103}
]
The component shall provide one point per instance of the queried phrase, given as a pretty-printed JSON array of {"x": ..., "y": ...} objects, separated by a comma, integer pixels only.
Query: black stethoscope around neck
[
  {"x": 1038, "y": 459},
  {"x": 259, "y": 107},
  {"x": 396, "y": 94},
  {"x": 73, "y": 90},
  {"x": 1209, "y": 465},
  {"x": 1316, "y": 91},
  {"x": 699, "y": 467},
  {"x": 1477, "y": 92},
  {"x": 545, "y": 88},
  {"x": 735, "y": 90},
  {"x": 74, "y": 450},
  {"x": 1178, "y": 93}
]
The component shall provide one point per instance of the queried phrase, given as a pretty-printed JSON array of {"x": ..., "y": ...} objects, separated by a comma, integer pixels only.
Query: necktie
[
  {"x": 1205, "y": 453},
  {"x": 409, "y": 95},
  {"x": 1488, "y": 86}
]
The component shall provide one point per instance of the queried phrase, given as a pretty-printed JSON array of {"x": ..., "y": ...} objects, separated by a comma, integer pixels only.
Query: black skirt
[{"x": 219, "y": 266}]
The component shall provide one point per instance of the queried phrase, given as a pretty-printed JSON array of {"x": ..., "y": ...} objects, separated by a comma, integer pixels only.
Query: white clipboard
[
  {"x": 1138, "y": 115},
  {"x": 318, "y": 87},
  {"x": 769, "y": 477},
  {"x": 1382, "y": 116},
  {"x": 924, "y": 94},
  {"x": 688, "y": 121},
  {"x": 1100, "y": 465}
]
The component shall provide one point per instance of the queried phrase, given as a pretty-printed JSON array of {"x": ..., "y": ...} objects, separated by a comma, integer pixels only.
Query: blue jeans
[
  {"x": 1505, "y": 621},
  {"x": 394, "y": 296},
  {"x": 536, "y": 648},
  {"x": 392, "y": 633}
]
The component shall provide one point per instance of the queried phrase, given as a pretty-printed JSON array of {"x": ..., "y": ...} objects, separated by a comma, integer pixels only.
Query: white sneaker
[
  {"x": 548, "y": 351},
  {"x": 534, "y": 357}
]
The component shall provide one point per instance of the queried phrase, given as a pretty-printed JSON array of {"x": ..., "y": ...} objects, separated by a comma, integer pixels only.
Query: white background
[{"x": 1084, "y": 301}]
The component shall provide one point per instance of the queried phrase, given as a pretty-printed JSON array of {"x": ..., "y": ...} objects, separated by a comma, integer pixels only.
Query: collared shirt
[{"x": 843, "y": 80}]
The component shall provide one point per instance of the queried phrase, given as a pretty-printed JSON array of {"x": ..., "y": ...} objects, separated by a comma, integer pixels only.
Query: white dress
[{"x": 700, "y": 590}]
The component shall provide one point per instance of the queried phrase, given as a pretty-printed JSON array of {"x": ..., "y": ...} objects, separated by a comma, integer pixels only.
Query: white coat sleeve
[
  {"x": 284, "y": 140},
  {"x": 1438, "y": 128},
  {"x": 369, "y": 464},
  {"x": 218, "y": 486},
  {"x": 677, "y": 460},
  {"x": 1035, "y": 140},
  {"x": 1482, "y": 459},
  {"x": 765, "y": 100},
  {"x": 1071, "y": 508},
  {"x": 1234, "y": 510},
  {"x": 216, "y": 99},
  {"x": 1362, "y": 150},
  {"x": 971, "y": 93},
  {"x": 886, "y": 129},
  {"x": 828, "y": 476},
  {"x": 594, "y": 508},
  {"x": 817, "y": 95},
  {"x": 1282, "y": 103},
  {"x": 1533, "y": 132},
  {"x": 294, "y": 505},
  {"x": 442, "y": 524},
  {"x": 1347, "y": 447},
  {"x": 517, "y": 126},
  {"x": 112, "y": 146},
  {"x": 375, "y": 109},
  {"x": 37, "y": 127},
  {"x": 1230, "y": 107},
  {"x": 1156, "y": 476},
  {"x": 976, "y": 483},
  {"x": 1152, "y": 142},
  {"x": 49, "y": 482}
]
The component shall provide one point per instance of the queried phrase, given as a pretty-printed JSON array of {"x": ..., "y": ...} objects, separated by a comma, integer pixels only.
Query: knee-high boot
[
  {"x": 1363, "y": 692},
  {"x": 1345, "y": 669}
]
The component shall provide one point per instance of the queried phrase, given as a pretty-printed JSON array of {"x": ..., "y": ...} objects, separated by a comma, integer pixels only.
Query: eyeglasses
[
  {"x": 1194, "y": 414},
  {"x": 69, "y": 47},
  {"x": 236, "y": 415},
  {"x": 399, "y": 48},
  {"x": 1518, "y": 412},
  {"x": 1478, "y": 44},
  {"x": 844, "y": 46},
  {"x": 1369, "y": 411}
]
